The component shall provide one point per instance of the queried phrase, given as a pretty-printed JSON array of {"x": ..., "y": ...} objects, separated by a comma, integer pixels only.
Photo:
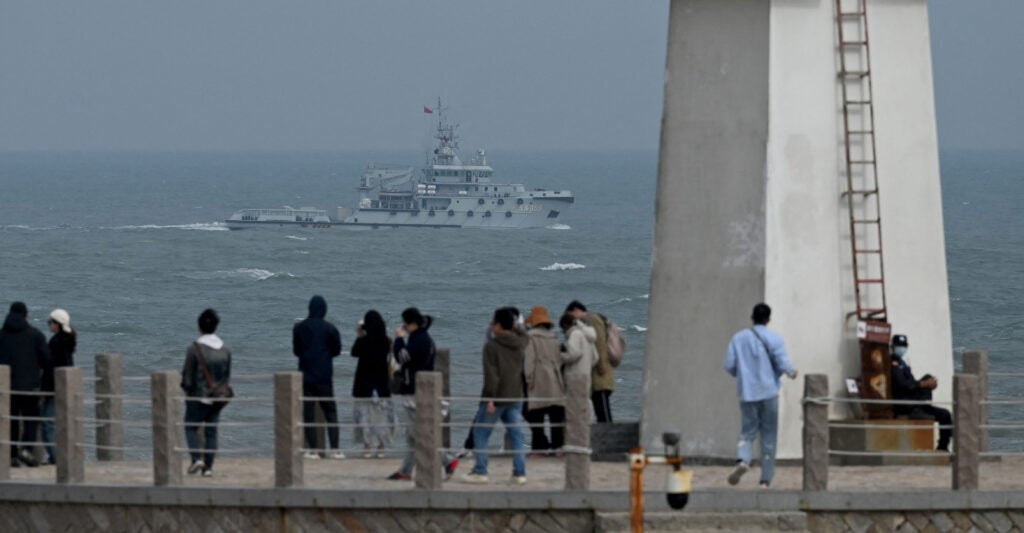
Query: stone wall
[{"x": 910, "y": 522}]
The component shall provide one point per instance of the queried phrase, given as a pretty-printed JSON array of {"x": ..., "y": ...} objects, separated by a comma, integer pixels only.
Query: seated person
[{"x": 906, "y": 387}]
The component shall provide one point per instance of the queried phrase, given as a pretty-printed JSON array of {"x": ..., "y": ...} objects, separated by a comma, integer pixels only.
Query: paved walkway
[{"x": 548, "y": 474}]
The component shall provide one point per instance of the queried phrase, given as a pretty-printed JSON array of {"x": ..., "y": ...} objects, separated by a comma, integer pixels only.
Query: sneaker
[
  {"x": 197, "y": 465},
  {"x": 379, "y": 454},
  {"x": 15, "y": 463},
  {"x": 737, "y": 472},
  {"x": 764, "y": 485},
  {"x": 398, "y": 476},
  {"x": 474, "y": 477},
  {"x": 311, "y": 455},
  {"x": 338, "y": 455},
  {"x": 449, "y": 469},
  {"x": 367, "y": 453},
  {"x": 207, "y": 472},
  {"x": 518, "y": 480},
  {"x": 27, "y": 458}
]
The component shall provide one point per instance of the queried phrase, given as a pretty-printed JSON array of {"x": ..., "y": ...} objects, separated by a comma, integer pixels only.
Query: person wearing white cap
[{"x": 62, "y": 349}]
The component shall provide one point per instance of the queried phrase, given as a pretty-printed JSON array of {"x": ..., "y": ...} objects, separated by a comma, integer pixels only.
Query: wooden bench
[{"x": 906, "y": 435}]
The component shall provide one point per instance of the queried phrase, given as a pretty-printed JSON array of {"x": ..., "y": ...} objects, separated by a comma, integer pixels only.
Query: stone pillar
[
  {"x": 975, "y": 363},
  {"x": 577, "y": 432},
  {"x": 428, "y": 430},
  {"x": 966, "y": 416},
  {"x": 166, "y": 461},
  {"x": 110, "y": 406},
  {"x": 5, "y": 425},
  {"x": 69, "y": 407},
  {"x": 815, "y": 433},
  {"x": 443, "y": 364},
  {"x": 287, "y": 431}
]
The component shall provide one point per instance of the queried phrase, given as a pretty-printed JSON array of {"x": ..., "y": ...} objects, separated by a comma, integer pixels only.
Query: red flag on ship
[{"x": 427, "y": 109}]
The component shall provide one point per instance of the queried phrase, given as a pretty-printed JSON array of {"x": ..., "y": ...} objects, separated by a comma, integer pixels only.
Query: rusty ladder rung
[
  {"x": 872, "y": 280},
  {"x": 865, "y": 192},
  {"x": 869, "y": 251},
  {"x": 853, "y": 43},
  {"x": 867, "y": 220},
  {"x": 855, "y": 73}
]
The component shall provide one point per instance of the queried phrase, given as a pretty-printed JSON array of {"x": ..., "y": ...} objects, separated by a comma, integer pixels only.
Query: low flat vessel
[{"x": 446, "y": 193}]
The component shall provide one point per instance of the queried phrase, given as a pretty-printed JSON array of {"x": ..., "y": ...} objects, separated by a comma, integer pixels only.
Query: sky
[{"x": 354, "y": 74}]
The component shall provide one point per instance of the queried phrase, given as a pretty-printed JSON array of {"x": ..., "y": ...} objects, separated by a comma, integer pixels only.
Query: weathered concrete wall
[
  {"x": 708, "y": 265},
  {"x": 750, "y": 207}
]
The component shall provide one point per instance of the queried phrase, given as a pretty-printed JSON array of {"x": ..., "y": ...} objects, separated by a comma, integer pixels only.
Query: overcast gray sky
[{"x": 345, "y": 74}]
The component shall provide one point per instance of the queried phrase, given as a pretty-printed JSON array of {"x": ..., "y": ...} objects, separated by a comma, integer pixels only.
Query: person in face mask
[{"x": 906, "y": 387}]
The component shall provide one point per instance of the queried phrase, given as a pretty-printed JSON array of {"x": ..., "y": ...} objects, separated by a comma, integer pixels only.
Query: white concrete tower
[{"x": 751, "y": 208}]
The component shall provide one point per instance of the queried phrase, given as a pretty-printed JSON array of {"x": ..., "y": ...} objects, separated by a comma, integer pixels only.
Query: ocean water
[{"x": 131, "y": 244}]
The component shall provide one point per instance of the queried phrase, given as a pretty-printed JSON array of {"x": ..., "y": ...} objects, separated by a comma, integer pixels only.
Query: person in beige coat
[
  {"x": 580, "y": 354},
  {"x": 543, "y": 371},
  {"x": 603, "y": 376}
]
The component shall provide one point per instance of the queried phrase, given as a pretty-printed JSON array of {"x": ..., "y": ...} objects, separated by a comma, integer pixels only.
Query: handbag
[{"x": 221, "y": 392}]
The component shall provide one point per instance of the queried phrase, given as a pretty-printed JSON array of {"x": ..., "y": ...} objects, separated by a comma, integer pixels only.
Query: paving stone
[
  {"x": 857, "y": 522},
  {"x": 999, "y": 521},
  {"x": 979, "y": 521},
  {"x": 919, "y": 520},
  {"x": 942, "y": 522},
  {"x": 828, "y": 522},
  {"x": 961, "y": 520},
  {"x": 906, "y": 527}
]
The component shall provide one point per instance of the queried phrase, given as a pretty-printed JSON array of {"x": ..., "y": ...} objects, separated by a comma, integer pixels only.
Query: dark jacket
[
  {"x": 24, "y": 349},
  {"x": 315, "y": 341},
  {"x": 372, "y": 369},
  {"x": 906, "y": 387},
  {"x": 503, "y": 366},
  {"x": 62, "y": 348},
  {"x": 420, "y": 354},
  {"x": 193, "y": 379}
]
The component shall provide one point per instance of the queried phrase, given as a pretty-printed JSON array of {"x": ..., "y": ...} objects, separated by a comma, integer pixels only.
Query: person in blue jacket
[
  {"x": 757, "y": 359},
  {"x": 316, "y": 342}
]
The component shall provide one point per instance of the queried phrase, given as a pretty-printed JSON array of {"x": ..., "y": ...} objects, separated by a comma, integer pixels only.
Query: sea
[{"x": 134, "y": 246}]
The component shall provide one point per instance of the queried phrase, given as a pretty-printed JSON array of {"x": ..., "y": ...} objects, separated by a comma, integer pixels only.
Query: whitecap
[
  {"x": 563, "y": 266},
  {"x": 621, "y": 300},
  {"x": 296, "y": 237},
  {"x": 645, "y": 296},
  {"x": 198, "y": 226},
  {"x": 559, "y": 226},
  {"x": 641, "y": 329}
]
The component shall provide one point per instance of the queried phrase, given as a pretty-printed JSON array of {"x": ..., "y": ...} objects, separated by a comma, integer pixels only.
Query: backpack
[{"x": 616, "y": 342}]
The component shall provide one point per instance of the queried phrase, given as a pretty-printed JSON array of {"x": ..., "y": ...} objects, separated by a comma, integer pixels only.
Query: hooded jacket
[
  {"x": 315, "y": 341},
  {"x": 542, "y": 368},
  {"x": 503, "y": 367},
  {"x": 603, "y": 377},
  {"x": 24, "y": 349},
  {"x": 372, "y": 368},
  {"x": 417, "y": 353},
  {"x": 218, "y": 361},
  {"x": 580, "y": 354}
]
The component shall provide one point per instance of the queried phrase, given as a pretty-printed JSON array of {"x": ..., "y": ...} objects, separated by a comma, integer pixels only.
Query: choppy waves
[
  {"x": 563, "y": 266},
  {"x": 254, "y": 274},
  {"x": 198, "y": 226},
  {"x": 559, "y": 226}
]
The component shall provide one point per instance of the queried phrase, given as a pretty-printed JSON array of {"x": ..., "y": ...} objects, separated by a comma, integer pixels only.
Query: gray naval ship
[{"x": 447, "y": 193}]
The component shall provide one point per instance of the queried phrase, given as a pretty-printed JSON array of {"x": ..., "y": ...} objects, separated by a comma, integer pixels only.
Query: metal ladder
[{"x": 862, "y": 190}]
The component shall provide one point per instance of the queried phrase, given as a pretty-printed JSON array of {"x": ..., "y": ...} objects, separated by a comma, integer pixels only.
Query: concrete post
[
  {"x": 966, "y": 416},
  {"x": 577, "y": 432},
  {"x": 110, "y": 406},
  {"x": 428, "y": 430},
  {"x": 815, "y": 433},
  {"x": 975, "y": 363},
  {"x": 166, "y": 461},
  {"x": 443, "y": 364},
  {"x": 5, "y": 425},
  {"x": 69, "y": 408},
  {"x": 287, "y": 433}
]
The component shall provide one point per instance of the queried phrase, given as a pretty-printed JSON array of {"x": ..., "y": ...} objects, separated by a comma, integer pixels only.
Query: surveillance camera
[
  {"x": 671, "y": 438},
  {"x": 677, "y": 489}
]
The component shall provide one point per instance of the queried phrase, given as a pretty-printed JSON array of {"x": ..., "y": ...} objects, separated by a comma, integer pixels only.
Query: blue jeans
[
  {"x": 49, "y": 430},
  {"x": 511, "y": 415},
  {"x": 760, "y": 417},
  {"x": 207, "y": 415}
]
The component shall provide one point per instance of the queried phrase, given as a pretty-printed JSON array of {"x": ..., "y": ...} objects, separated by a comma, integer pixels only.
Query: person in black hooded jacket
[
  {"x": 316, "y": 342},
  {"x": 23, "y": 348}
]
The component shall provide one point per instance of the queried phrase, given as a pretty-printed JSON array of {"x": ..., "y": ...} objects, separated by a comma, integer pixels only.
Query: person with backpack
[
  {"x": 757, "y": 359},
  {"x": 602, "y": 379},
  {"x": 207, "y": 365}
]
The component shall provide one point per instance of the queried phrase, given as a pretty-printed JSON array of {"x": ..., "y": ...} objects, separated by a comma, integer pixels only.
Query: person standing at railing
[
  {"x": 757, "y": 358},
  {"x": 207, "y": 365},
  {"x": 578, "y": 354},
  {"x": 316, "y": 342},
  {"x": 502, "y": 393},
  {"x": 415, "y": 351},
  {"x": 542, "y": 368},
  {"x": 603, "y": 375},
  {"x": 24, "y": 349},
  {"x": 906, "y": 387},
  {"x": 374, "y": 418},
  {"x": 62, "y": 349}
]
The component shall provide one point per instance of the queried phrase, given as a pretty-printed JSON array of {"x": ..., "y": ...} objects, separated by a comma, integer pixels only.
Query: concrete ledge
[{"x": 937, "y": 500}]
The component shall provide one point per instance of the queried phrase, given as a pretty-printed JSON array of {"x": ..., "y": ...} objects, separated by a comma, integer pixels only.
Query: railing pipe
[{"x": 5, "y": 425}]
